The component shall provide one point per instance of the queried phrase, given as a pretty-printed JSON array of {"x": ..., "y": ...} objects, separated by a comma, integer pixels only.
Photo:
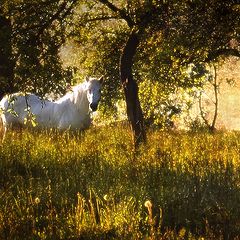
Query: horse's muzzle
[{"x": 94, "y": 106}]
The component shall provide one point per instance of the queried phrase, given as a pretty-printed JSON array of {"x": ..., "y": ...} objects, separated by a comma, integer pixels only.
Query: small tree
[{"x": 215, "y": 83}]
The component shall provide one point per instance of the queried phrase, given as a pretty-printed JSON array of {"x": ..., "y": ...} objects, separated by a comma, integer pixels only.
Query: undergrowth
[{"x": 94, "y": 186}]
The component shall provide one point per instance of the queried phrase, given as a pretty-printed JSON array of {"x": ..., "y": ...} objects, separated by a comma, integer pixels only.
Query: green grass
[{"x": 93, "y": 186}]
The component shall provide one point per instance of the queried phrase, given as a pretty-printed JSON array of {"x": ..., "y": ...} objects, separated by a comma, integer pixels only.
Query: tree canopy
[
  {"x": 33, "y": 32},
  {"x": 142, "y": 39}
]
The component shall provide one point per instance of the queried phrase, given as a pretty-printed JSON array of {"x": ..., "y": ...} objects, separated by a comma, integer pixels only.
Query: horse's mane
[{"x": 74, "y": 95}]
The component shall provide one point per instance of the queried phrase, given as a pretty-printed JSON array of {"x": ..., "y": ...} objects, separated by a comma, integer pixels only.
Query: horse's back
[
  {"x": 69, "y": 112},
  {"x": 19, "y": 108},
  {"x": 15, "y": 107}
]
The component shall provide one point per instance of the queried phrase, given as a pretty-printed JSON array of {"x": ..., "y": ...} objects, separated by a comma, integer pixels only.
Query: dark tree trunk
[
  {"x": 6, "y": 59},
  {"x": 134, "y": 110}
]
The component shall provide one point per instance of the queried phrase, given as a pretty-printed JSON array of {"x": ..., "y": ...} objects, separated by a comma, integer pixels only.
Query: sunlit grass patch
[{"x": 93, "y": 185}]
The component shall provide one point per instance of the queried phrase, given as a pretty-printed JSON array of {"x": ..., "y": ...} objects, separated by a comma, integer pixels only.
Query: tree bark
[
  {"x": 215, "y": 88},
  {"x": 134, "y": 110}
]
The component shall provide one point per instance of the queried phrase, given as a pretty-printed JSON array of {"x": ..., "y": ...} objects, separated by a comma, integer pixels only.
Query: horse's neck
[
  {"x": 81, "y": 101},
  {"x": 78, "y": 98}
]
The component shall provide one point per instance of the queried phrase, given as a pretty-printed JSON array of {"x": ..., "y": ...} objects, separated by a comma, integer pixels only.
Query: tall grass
[{"x": 94, "y": 186}]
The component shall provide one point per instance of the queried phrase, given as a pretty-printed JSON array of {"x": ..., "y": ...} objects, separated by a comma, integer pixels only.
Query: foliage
[
  {"x": 93, "y": 186},
  {"x": 37, "y": 32},
  {"x": 171, "y": 40},
  {"x": 163, "y": 102},
  {"x": 171, "y": 37}
]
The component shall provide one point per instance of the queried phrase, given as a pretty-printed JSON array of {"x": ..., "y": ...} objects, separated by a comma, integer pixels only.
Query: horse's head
[{"x": 94, "y": 92}]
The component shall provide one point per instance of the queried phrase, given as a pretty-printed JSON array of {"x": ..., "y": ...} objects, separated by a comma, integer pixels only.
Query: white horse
[{"x": 72, "y": 111}]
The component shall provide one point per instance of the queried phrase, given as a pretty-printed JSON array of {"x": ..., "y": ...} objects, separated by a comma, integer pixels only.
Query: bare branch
[{"x": 121, "y": 12}]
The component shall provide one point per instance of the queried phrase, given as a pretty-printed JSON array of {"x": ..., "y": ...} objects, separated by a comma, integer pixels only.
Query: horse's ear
[
  {"x": 87, "y": 78},
  {"x": 101, "y": 79}
]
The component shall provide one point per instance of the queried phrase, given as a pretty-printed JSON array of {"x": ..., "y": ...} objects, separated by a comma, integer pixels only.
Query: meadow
[{"x": 180, "y": 185}]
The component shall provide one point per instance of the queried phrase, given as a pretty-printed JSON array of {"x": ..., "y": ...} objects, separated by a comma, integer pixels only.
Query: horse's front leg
[{"x": 3, "y": 128}]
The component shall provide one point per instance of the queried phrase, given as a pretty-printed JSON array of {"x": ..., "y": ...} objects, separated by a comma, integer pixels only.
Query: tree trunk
[
  {"x": 134, "y": 110},
  {"x": 215, "y": 88},
  {"x": 6, "y": 59}
]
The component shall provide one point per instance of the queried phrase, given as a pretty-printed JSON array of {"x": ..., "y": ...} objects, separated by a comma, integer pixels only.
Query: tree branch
[
  {"x": 122, "y": 13},
  {"x": 225, "y": 51},
  {"x": 60, "y": 14},
  {"x": 62, "y": 10},
  {"x": 101, "y": 18}
]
